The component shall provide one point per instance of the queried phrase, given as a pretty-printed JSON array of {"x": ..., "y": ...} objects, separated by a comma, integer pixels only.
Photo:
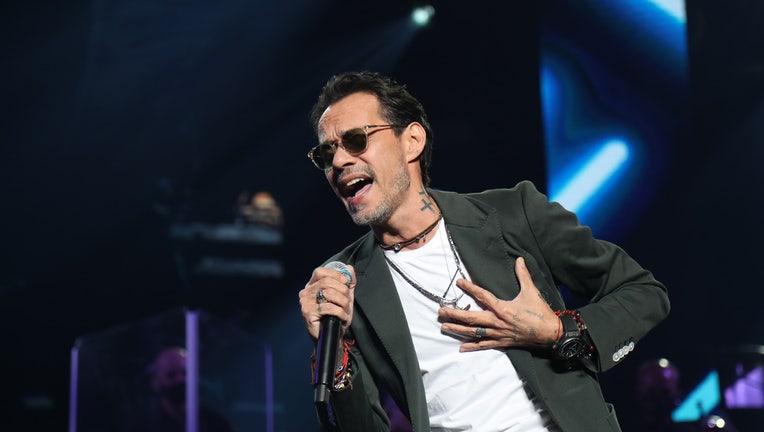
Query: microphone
[{"x": 328, "y": 341}]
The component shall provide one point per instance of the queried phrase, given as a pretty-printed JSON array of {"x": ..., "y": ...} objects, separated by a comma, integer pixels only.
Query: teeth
[{"x": 354, "y": 181}]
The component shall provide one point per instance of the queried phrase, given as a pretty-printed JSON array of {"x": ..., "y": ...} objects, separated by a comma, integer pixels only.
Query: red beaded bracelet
[{"x": 574, "y": 314}]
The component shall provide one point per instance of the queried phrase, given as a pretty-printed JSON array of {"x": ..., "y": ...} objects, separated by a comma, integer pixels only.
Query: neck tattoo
[{"x": 400, "y": 245}]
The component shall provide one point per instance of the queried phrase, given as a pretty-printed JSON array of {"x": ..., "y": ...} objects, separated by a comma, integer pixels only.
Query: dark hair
[{"x": 397, "y": 106}]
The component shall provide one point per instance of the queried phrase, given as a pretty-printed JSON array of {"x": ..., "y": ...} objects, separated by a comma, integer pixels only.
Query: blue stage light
[
  {"x": 674, "y": 8},
  {"x": 606, "y": 145},
  {"x": 705, "y": 397},
  {"x": 592, "y": 175}
]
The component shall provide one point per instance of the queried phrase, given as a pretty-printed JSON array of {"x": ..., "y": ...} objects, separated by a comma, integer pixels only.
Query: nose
[{"x": 342, "y": 158}]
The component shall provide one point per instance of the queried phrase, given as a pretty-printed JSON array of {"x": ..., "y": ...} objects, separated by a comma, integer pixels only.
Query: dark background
[{"x": 115, "y": 112}]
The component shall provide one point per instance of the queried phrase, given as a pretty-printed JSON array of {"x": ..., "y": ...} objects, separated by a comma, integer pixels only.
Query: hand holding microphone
[
  {"x": 327, "y": 304},
  {"x": 336, "y": 297}
]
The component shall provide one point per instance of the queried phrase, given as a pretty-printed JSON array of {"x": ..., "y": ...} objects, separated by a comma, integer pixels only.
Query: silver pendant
[{"x": 452, "y": 304}]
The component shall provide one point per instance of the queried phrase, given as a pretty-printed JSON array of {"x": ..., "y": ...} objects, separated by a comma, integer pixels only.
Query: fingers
[
  {"x": 451, "y": 316},
  {"x": 482, "y": 345},
  {"x": 467, "y": 331},
  {"x": 485, "y": 298},
  {"x": 526, "y": 320},
  {"x": 478, "y": 337},
  {"x": 327, "y": 293},
  {"x": 352, "y": 283},
  {"x": 324, "y": 272}
]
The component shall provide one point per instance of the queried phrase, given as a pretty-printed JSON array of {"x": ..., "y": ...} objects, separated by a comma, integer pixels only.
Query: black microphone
[{"x": 328, "y": 341}]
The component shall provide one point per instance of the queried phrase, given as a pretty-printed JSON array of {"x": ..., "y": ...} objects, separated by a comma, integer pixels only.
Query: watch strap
[{"x": 574, "y": 343}]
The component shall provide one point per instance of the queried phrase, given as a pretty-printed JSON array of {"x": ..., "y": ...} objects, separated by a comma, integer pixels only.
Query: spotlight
[
  {"x": 715, "y": 423},
  {"x": 422, "y": 15}
]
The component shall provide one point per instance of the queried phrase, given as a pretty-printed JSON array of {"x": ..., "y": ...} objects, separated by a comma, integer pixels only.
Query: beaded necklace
[{"x": 400, "y": 245}]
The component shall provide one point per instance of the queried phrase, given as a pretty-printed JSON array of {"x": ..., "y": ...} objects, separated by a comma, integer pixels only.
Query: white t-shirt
[{"x": 471, "y": 391}]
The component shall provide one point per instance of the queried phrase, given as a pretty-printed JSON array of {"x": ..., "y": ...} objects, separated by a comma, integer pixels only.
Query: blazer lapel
[
  {"x": 477, "y": 234},
  {"x": 377, "y": 299}
]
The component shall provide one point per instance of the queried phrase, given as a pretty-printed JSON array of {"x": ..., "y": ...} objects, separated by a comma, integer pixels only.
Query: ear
[{"x": 415, "y": 137}]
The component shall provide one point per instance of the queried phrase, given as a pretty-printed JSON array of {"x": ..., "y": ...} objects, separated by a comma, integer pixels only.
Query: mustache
[
  {"x": 355, "y": 170},
  {"x": 338, "y": 181}
]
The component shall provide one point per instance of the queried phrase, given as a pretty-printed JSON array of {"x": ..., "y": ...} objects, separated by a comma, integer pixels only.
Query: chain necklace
[
  {"x": 441, "y": 300},
  {"x": 400, "y": 245}
]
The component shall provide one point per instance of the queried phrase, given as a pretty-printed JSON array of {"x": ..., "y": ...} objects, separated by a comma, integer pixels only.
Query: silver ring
[
  {"x": 479, "y": 332},
  {"x": 320, "y": 296}
]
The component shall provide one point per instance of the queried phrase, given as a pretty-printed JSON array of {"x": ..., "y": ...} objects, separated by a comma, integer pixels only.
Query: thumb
[
  {"x": 352, "y": 282},
  {"x": 524, "y": 276}
]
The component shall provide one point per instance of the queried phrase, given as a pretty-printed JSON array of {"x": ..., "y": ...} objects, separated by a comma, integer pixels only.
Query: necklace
[
  {"x": 400, "y": 245},
  {"x": 441, "y": 300}
]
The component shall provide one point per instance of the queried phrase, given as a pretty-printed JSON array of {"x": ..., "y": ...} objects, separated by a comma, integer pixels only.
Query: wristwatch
[{"x": 572, "y": 344}]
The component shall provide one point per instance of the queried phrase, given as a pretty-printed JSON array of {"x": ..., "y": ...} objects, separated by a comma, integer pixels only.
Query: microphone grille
[{"x": 340, "y": 267}]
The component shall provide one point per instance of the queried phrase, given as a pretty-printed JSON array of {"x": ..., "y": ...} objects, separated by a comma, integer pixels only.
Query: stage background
[{"x": 123, "y": 121}]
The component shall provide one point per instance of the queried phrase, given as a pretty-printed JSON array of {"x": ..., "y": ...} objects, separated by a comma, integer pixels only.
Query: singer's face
[{"x": 372, "y": 184}]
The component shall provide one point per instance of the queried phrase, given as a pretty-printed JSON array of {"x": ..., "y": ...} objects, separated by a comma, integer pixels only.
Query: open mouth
[{"x": 352, "y": 187}]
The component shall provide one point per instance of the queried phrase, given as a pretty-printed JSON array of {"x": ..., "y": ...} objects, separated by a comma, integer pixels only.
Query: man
[
  {"x": 453, "y": 307},
  {"x": 168, "y": 381}
]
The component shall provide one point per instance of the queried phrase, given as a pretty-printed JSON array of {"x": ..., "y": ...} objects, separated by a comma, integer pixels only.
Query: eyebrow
[{"x": 340, "y": 135}]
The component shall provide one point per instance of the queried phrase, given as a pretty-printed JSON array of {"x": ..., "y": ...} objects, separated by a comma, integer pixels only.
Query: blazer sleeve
[{"x": 625, "y": 300}]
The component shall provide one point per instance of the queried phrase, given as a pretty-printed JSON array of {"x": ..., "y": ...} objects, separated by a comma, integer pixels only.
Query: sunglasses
[{"x": 353, "y": 141}]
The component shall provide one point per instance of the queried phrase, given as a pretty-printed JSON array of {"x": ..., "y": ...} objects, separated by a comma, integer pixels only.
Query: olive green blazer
[{"x": 491, "y": 229}]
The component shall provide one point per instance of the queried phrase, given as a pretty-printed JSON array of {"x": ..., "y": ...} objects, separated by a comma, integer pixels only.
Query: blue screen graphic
[{"x": 611, "y": 80}]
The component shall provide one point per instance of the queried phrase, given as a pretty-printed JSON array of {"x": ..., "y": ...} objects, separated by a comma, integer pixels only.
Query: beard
[{"x": 388, "y": 204}]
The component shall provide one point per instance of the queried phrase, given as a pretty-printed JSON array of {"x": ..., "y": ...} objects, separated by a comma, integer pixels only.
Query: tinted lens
[
  {"x": 354, "y": 141},
  {"x": 323, "y": 155}
]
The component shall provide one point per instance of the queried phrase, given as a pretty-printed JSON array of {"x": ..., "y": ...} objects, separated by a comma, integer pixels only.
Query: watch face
[{"x": 571, "y": 348}]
